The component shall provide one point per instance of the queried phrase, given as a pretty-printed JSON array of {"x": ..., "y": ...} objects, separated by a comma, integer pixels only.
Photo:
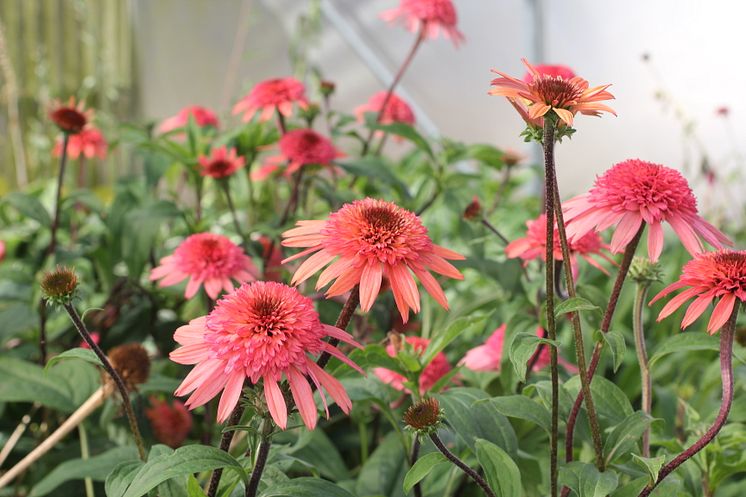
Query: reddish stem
[{"x": 726, "y": 373}]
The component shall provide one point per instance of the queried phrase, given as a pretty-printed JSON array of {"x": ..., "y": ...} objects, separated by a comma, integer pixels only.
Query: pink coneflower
[
  {"x": 298, "y": 148},
  {"x": 2, "y": 250},
  {"x": 221, "y": 163},
  {"x": 71, "y": 118},
  {"x": 433, "y": 372},
  {"x": 633, "y": 192},
  {"x": 261, "y": 331},
  {"x": 89, "y": 143},
  {"x": 552, "y": 70},
  {"x": 547, "y": 92},
  {"x": 171, "y": 424},
  {"x": 364, "y": 242},
  {"x": 202, "y": 116},
  {"x": 488, "y": 357},
  {"x": 709, "y": 276},
  {"x": 280, "y": 94},
  {"x": 432, "y": 16},
  {"x": 396, "y": 111},
  {"x": 533, "y": 245},
  {"x": 206, "y": 259}
]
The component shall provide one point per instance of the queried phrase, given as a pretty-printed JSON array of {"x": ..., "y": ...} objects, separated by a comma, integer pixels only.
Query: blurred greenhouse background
[{"x": 678, "y": 90}]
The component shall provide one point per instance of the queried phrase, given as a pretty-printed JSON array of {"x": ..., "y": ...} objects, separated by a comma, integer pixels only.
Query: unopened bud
[
  {"x": 473, "y": 210},
  {"x": 644, "y": 271}
]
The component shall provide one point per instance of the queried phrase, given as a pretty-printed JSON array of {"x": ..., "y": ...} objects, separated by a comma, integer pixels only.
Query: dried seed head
[
  {"x": 424, "y": 416},
  {"x": 132, "y": 363},
  {"x": 59, "y": 285},
  {"x": 644, "y": 271}
]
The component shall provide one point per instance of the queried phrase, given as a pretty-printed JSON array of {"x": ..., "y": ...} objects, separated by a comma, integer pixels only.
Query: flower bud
[
  {"x": 327, "y": 88},
  {"x": 473, "y": 210},
  {"x": 424, "y": 416},
  {"x": 644, "y": 271},
  {"x": 59, "y": 285}
]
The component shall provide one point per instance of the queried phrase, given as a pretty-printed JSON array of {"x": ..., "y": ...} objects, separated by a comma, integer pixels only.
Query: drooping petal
[
  {"x": 303, "y": 397},
  {"x": 231, "y": 394},
  {"x": 276, "y": 403},
  {"x": 721, "y": 313}
]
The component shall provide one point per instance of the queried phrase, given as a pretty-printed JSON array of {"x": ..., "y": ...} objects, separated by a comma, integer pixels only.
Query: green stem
[
  {"x": 84, "y": 455},
  {"x": 261, "y": 459},
  {"x": 548, "y": 141},
  {"x": 642, "y": 359},
  {"x": 52, "y": 250},
  {"x": 231, "y": 206},
  {"x": 585, "y": 381}
]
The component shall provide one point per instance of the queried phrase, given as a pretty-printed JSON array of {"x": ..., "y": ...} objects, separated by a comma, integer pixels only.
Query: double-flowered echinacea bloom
[
  {"x": 263, "y": 331},
  {"x": 205, "y": 259},
  {"x": 364, "y": 242},
  {"x": 550, "y": 90},
  {"x": 396, "y": 110},
  {"x": 429, "y": 16},
  {"x": 430, "y": 375},
  {"x": 278, "y": 94},
  {"x": 712, "y": 276},
  {"x": 533, "y": 245},
  {"x": 634, "y": 192}
]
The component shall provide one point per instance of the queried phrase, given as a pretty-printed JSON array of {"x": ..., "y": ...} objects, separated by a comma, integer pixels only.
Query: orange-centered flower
[
  {"x": 221, "y": 163},
  {"x": 634, "y": 192},
  {"x": 70, "y": 118},
  {"x": 364, "y": 242},
  {"x": 432, "y": 16},
  {"x": 546, "y": 92},
  {"x": 206, "y": 259},
  {"x": 261, "y": 332},
  {"x": 709, "y": 277},
  {"x": 265, "y": 97}
]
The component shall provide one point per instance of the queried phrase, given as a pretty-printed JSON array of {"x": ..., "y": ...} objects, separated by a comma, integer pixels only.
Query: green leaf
[
  {"x": 183, "y": 461},
  {"x": 522, "y": 348},
  {"x": 503, "y": 475},
  {"x": 685, "y": 342},
  {"x": 521, "y": 407},
  {"x": 86, "y": 355},
  {"x": 486, "y": 154},
  {"x": 625, "y": 435},
  {"x": 441, "y": 340},
  {"x": 306, "y": 487},
  {"x": 96, "y": 467},
  {"x": 400, "y": 129},
  {"x": 29, "y": 206},
  {"x": 377, "y": 169},
  {"x": 23, "y": 381},
  {"x": 587, "y": 481},
  {"x": 409, "y": 360},
  {"x": 574, "y": 304},
  {"x": 610, "y": 400},
  {"x": 472, "y": 419},
  {"x": 617, "y": 345},
  {"x": 193, "y": 488},
  {"x": 652, "y": 465},
  {"x": 421, "y": 469},
  {"x": 383, "y": 472},
  {"x": 322, "y": 454},
  {"x": 121, "y": 477}
]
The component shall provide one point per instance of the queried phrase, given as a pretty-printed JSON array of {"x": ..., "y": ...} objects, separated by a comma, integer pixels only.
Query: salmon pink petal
[
  {"x": 432, "y": 287},
  {"x": 676, "y": 302},
  {"x": 331, "y": 385},
  {"x": 190, "y": 354},
  {"x": 370, "y": 284},
  {"x": 696, "y": 309},
  {"x": 655, "y": 241},
  {"x": 231, "y": 395},
  {"x": 303, "y": 397},
  {"x": 311, "y": 265},
  {"x": 341, "y": 335},
  {"x": 721, "y": 313},
  {"x": 625, "y": 231},
  {"x": 276, "y": 403}
]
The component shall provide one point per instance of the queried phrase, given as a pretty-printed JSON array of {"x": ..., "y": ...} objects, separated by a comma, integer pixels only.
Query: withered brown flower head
[
  {"x": 423, "y": 416},
  {"x": 132, "y": 363},
  {"x": 59, "y": 285}
]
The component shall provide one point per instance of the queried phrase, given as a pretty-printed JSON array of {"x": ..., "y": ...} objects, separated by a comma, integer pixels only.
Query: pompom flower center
[
  {"x": 263, "y": 328},
  {"x": 651, "y": 189},
  {"x": 377, "y": 229}
]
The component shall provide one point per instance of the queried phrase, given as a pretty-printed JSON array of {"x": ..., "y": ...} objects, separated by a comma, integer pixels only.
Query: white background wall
[{"x": 184, "y": 46}]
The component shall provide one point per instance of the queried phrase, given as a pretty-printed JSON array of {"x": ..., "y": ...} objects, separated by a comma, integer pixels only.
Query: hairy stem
[
  {"x": 462, "y": 465},
  {"x": 225, "y": 443},
  {"x": 490, "y": 227},
  {"x": 58, "y": 195},
  {"x": 585, "y": 381},
  {"x": 390, "y": 92},
  {"x": 231, "y": 206},
  {"x": 80, "y": 326},
  {"x": 292, "y": 204},
  {"x": 413, "y": 459},
  {"x": 642, "y": 358},
  {"x": 726, "y": 373},
  {"x": 629, "y": 253},
  {"x": 261, "y": 460},
  {"x": 548, "y": 142}
]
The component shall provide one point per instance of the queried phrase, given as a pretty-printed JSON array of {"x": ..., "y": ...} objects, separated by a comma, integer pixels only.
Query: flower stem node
[
  {"x": 424, "y": 417},
  {"x": 59, "y": 286}
]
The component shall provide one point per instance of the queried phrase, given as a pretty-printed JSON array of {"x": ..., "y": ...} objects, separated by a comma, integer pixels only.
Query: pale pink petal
[{"x": 231, "y": 395}]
